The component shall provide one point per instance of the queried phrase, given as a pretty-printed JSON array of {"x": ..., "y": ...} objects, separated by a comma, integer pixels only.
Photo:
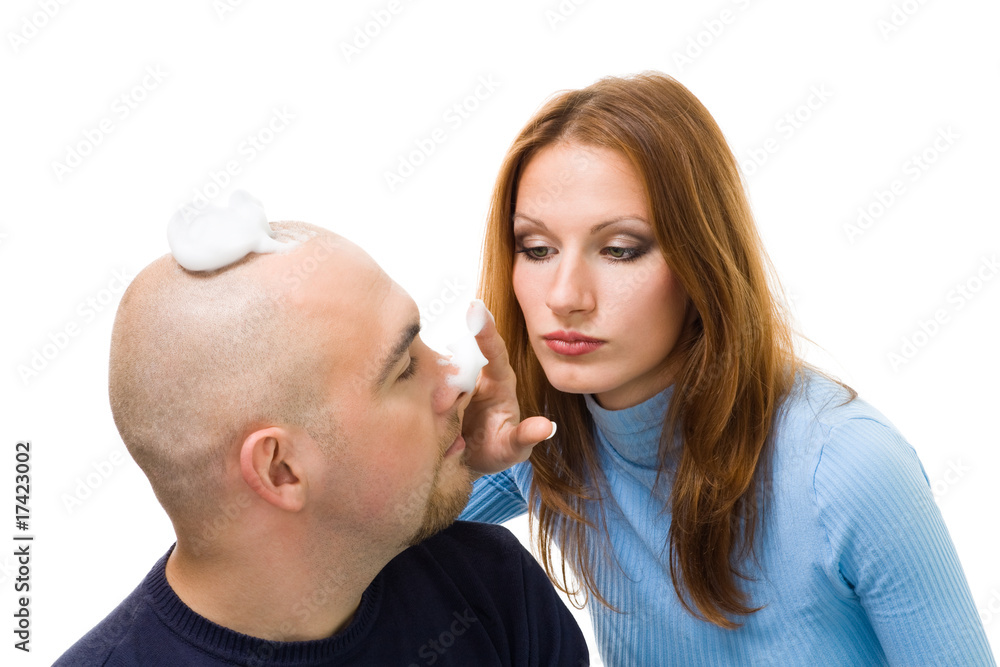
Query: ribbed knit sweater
[
  {"x": 470, "y": 595},
  {"x": 856, "y": 566}
]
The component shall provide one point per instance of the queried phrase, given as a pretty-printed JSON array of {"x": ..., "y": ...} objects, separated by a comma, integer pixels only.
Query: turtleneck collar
[{"x": 633, "y": 433}]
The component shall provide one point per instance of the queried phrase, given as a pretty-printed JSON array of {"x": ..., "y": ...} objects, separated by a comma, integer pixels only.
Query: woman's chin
[{"x": 577, "y": 383}]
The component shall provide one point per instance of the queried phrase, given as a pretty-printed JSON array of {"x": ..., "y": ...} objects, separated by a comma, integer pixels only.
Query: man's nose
[
  {"x": 447, "y": 396},
  {"x": 571, "y": 290}
]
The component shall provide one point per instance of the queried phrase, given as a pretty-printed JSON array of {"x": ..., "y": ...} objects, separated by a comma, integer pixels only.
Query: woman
[{"x": 719, "y": 501}]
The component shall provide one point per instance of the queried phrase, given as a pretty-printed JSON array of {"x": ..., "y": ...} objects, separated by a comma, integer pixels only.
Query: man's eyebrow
[
  {"x": 593, "y": 230},
  {"x": 392, "y": 358}
]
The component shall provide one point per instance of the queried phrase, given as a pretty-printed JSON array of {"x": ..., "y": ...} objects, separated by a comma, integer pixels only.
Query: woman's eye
[
  {"x": 616, "y": 253},
  {"x": 624, "y": 254},
  {"x": 536, "y": 253}
]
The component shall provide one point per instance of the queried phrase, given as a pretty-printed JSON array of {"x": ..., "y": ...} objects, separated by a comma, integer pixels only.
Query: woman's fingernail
[{"x": 554, "y": 426}]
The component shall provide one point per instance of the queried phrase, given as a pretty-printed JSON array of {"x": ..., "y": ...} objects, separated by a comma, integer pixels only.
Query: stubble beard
[{"x": 445, "y": 501}]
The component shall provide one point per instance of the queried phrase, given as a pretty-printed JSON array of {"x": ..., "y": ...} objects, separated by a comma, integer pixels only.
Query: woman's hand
[{"x": 495, "y": 436}]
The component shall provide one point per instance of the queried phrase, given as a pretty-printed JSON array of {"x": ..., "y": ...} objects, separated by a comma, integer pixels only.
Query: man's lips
[{"x": 571, "y": 343}]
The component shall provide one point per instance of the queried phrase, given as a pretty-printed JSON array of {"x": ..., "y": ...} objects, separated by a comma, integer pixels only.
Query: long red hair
[{"x": 735, "y": 361}]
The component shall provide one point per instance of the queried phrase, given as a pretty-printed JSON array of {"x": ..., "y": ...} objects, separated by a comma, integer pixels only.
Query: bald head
[{"x": 199, "y": 360}]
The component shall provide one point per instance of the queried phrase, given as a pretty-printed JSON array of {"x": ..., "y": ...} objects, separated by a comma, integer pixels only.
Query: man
[{"x": 306, "y": 444}]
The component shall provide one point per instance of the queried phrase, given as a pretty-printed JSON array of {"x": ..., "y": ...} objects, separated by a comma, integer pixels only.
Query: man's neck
[{"x": 273, "y": 592}]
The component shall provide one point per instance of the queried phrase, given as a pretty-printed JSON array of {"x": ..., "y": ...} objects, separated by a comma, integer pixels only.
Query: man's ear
[{"x": 269, "y": 463}]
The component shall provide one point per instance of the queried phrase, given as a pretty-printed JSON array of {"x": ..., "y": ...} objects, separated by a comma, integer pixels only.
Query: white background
[{"x": 888, "y": 90}]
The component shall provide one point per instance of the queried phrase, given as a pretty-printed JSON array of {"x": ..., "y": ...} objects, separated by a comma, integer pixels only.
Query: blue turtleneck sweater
[{"x": 854, "y": 566}]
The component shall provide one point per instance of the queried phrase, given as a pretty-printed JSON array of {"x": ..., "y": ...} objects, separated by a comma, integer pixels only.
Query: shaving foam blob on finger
[
  {"x": 465, "y": 353},
  {"x": 216, "y": 237}
]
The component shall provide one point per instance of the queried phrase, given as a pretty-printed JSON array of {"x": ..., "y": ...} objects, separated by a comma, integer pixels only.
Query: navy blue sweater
[{"x": 470, "y": 595}]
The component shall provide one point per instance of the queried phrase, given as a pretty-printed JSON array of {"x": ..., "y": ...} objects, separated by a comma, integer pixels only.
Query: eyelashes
[
  {"x": 627, "y": 254},
  {"x": 410, "y": 371},
  {"x": 616, "y": 254},
  {"x": 529, "y": 253}
]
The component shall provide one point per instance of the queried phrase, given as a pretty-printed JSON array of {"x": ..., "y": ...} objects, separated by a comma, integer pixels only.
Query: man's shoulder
[
  {"x": 477, "y": 579},
  {"x": 97, "y": 646},
  {"x": 490, "y": 549},
  {"x": 124, "y": 636},
  {"x": 477, "y": 556},
  {"x": 475, "y": 536}
]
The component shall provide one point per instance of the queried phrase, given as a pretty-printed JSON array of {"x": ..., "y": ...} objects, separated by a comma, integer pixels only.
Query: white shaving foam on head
[
  {"x": 216, "y": 237},
  {"x": 465, "y": 353}
]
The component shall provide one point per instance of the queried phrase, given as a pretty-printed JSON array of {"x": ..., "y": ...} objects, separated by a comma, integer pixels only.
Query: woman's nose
[{"x": 570, "y": 290}]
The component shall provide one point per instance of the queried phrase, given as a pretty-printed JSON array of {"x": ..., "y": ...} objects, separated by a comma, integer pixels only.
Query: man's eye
[{"x": 410, "y": 371}]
